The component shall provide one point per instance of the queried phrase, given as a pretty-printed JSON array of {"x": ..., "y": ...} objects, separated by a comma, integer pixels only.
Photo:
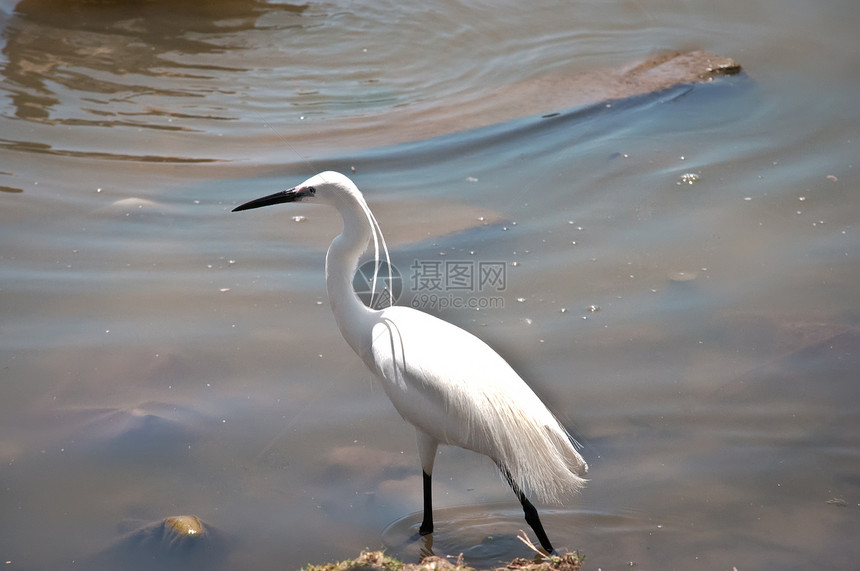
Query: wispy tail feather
[{"x": 536, "y": 450}]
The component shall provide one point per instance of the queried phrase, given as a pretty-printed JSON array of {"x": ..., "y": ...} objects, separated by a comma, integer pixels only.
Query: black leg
[
  {"x": 531, "y": 513},
  {"x": 427, "y": 524}
]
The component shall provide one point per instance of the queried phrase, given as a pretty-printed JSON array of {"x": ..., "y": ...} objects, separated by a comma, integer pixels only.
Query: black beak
[{"x": 291, "y": 195}]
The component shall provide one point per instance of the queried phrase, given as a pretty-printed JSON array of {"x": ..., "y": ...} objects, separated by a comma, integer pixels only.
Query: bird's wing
[{"x": 455, "y": 388}]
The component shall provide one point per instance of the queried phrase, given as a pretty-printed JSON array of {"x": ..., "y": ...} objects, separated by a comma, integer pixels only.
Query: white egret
[{"x": 443, "y": 380}]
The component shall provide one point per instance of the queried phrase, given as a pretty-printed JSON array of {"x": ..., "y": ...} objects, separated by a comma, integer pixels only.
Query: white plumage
[
  {"x": 443, "y": 380},
  {"x": 455, "y": 389}
]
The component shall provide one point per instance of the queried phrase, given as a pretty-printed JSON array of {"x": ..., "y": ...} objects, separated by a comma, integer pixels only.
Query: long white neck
[{"x": 353, "y": 317}]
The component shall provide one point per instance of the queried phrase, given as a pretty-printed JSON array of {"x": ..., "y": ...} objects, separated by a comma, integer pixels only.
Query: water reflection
[{"x": 117, "y": 58}]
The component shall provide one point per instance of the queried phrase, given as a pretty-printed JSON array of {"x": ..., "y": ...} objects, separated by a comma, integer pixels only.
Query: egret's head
[
  {"x": 327, "y": 187},
  {"x": 337, "y": 190}
]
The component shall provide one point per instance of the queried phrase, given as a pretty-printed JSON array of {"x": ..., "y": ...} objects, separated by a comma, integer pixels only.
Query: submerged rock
[
  {"x": 176, "y": 542},
  {"x": 142, "y": 433},
  {"x": 546, "y": 96},
  {"x": 133, "y": 208}
]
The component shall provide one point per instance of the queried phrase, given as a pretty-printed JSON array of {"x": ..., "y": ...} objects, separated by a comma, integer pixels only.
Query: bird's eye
[{"x": 311, "y": 190}]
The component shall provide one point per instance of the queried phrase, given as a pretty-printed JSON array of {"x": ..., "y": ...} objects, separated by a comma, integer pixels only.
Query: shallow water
[{"x": 161, "y": 356}]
